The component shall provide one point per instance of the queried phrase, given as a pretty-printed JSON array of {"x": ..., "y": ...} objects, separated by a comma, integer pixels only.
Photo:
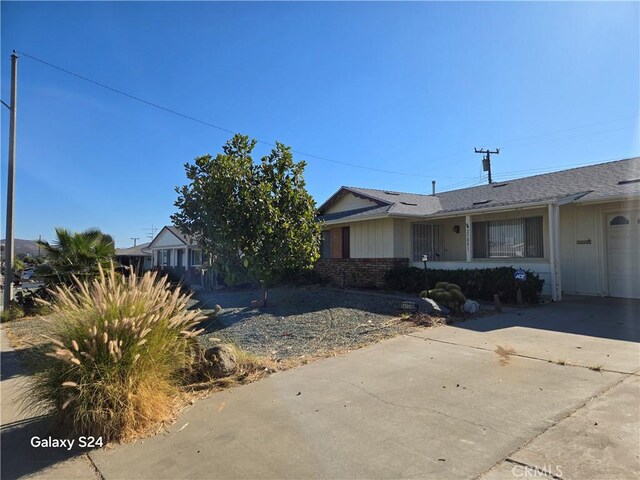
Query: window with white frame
[
  {"x": 166, "y": 258},
  {"x": 196, "y": 258},
  {"x": 426, "y": 240},
  {"x": 515, "y": 238}
]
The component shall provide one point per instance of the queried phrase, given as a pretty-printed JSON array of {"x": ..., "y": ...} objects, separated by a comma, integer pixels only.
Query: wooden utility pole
[
  {"x": 135, "y": 240},
  {"x": 9, "y": 247},
  {"x": 486, "y": 160}
]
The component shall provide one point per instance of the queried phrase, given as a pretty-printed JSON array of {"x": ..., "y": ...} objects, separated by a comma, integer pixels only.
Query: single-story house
[
  {"x": 138, "y": 257},
  {"x": 578, "y": 229},
  {"x": 176, "y": 253}
]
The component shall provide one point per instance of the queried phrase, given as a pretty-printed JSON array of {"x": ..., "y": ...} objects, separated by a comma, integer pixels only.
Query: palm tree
[{"x": 76, "y": 254}]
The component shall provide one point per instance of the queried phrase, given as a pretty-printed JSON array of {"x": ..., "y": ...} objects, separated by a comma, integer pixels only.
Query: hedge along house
[
  {"x": 578, "y": 229},
  {"x": 176, "y": 254}
]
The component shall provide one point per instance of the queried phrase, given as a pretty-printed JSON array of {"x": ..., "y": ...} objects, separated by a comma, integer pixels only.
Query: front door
[{"x": 623, "y": 254}]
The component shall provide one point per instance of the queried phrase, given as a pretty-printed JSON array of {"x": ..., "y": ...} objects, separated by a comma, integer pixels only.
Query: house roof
[
  {"x": 137, "y": 251},
  {"x": 186, "y": 239},
  {"x": 617, "y": 179}
]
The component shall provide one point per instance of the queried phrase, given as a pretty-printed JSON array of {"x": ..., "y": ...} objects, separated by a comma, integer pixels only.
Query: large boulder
[
  {"x": 220, "y": 360},
  {"x": 431, "y": 307},
  {"x": 471, "y": 306}
]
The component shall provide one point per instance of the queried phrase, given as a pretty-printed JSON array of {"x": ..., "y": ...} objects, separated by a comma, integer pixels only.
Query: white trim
[
  {"x": 554, "y": 251},
  {"x": 351, "y": 220},
  {"x": 613, "y": 198},
  {"x": 158, "y": 235},
  {"x": 469, "y": 238}
]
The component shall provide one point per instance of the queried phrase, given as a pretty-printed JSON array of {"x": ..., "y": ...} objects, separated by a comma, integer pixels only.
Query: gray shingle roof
[
  {"x": 136, "y": 251},
  {"x": 594, "y": 182}
]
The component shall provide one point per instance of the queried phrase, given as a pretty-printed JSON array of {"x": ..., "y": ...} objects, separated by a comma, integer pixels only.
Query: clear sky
[{"x": 405, "y": 87}]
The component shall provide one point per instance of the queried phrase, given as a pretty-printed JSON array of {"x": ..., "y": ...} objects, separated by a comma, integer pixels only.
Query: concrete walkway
[
  {"x": 552, "y": 391},
  {"x": 18, "y": 457}
]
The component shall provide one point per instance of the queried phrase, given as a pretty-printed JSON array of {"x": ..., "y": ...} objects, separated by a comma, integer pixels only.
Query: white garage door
[{"x": 623, "y": 254}]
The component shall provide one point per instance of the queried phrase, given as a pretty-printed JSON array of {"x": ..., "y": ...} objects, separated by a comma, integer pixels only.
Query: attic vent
[
  {"x": 624, "y": 182},
  {"x": 497, "y": 185},
  {"x": 410, "y": 204},
  {"x": 392, "y": 193},
  {"x": 482, "y": 202}
]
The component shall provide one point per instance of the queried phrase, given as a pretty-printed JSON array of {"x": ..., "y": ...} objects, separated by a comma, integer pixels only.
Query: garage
[{"x": 623, "y": 254}]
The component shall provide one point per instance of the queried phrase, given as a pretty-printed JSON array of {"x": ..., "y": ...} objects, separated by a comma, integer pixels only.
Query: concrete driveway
[{"x": 548, "y": 392}]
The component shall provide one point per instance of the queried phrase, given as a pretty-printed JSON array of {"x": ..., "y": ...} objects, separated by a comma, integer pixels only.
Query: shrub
[
  {"x": 447, "y": 294},
  {"x": 30, "y": 301},
  {"x": 120, "y": 346},
  {"x": 13, "y": 313},
  {"x": 478, "y": 284}
]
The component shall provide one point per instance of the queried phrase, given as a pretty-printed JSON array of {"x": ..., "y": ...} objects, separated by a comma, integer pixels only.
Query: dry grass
[{"x": 112, "y": 364}]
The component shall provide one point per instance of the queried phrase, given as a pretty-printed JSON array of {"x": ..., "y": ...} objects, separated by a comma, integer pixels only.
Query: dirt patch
[{"x": 504, "y": 353}]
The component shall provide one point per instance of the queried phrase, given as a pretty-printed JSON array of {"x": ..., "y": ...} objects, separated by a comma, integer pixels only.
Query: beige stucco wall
[
  {"x": 584, "y": 266},
  {"x": 349, "y": 202}
]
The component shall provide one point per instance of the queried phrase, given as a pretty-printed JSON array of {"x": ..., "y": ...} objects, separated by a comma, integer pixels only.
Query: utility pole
[
  {"x": 151, "y": 232},
  {"x": 9, "y": 248},
  {"x": 486, "y": 160},
  {"x": 135, "y": 240}
]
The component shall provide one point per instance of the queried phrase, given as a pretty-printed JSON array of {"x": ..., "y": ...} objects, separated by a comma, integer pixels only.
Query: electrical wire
[{"x": 331, "y": 160}]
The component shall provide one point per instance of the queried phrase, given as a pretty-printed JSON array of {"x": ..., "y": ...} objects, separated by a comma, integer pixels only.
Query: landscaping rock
[
  {"x": 220, "y": 360},
  {"x": 471, "y": 306},
  {"x": 431, "y": 307}
]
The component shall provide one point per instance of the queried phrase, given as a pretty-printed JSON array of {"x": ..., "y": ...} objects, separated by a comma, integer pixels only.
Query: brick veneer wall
[{"x": 357, "y": 272}]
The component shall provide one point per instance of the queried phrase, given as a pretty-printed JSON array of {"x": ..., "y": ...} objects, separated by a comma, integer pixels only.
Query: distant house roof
[
  {"x": 137, "y": 251},
  {"x": 611, "y": 180},
  {"x": 186, "y": 239}
]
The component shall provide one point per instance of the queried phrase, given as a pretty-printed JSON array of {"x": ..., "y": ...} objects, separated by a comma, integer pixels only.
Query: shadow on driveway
[
  {"x": 20, "y": 458},
  {"x": 612, "y": 318}
]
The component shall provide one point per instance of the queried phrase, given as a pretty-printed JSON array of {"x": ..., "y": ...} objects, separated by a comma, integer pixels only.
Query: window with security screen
[{"x": 426, "y": 240}]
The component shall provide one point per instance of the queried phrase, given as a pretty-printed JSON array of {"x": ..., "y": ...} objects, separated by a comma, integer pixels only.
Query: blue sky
[{"x": 405, "y": 87}]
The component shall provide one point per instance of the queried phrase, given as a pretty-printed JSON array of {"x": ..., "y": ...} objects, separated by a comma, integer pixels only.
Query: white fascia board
[
  {"x": 351, "y": 220},
  {"x": 613, "y": 198},
  {"x": 479, "y": 211}
]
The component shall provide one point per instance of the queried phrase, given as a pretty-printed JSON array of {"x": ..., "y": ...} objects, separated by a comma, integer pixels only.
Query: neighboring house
[
  {"x": 176, "y": 254},
  {"x": 138, "y": 257},
  {"x": 578, "y": 229}
]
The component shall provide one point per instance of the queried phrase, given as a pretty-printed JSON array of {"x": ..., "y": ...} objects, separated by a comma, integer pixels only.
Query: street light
[{"x": 425, "y": 259}]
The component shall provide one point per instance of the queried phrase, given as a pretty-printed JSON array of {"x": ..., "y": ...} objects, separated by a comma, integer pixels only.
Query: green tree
[
  {"x": 75, "y": 254},
  {"x": 256, "y": 216}
]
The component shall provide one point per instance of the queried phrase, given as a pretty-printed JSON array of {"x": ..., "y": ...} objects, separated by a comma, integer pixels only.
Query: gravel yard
[
  {"x": 302, "y": 321},
  {"x": 298, "y": 322}
]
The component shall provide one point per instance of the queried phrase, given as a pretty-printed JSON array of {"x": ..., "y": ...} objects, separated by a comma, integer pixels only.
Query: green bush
[
  {"x": 478, "y": 284},
  {"x": 120, "y": 347},
  {"x": 34, "y": 302},
  {"x": 13, "y": 313},
  {"x": 447, "y": 294}
]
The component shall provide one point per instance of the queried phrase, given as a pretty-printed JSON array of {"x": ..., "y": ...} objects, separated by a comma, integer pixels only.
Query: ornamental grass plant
[{"x": 117, "y": 356}]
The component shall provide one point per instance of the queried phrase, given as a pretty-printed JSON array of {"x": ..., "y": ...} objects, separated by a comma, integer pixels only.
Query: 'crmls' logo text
[{"x": 525, "y": 471}]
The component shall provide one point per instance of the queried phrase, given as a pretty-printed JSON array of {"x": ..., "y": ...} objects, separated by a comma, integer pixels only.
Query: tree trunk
[{"x": 264, "y": 295}]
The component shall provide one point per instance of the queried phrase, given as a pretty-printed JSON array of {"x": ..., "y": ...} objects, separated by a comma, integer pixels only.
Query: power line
[
  {"x": 306, "y": 154},
  {"x": 211, "y": 125}
]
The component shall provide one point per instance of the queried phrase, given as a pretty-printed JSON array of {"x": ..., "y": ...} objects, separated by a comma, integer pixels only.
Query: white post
[
  {"x": 469, "y": 237},
  {"x": 554, "y": 251}
]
